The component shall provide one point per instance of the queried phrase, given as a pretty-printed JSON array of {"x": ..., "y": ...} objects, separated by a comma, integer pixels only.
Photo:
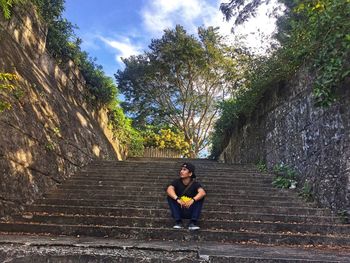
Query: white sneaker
[
  {"x": 193, "y": 226},
  {"x": 177, "y": 226}
]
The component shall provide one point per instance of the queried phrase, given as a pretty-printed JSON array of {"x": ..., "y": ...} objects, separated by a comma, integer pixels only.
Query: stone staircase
[{"x": 117, "y": 212}]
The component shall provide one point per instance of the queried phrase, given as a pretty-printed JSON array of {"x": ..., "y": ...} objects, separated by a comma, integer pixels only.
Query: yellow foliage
[
  {"x": 318, "y": 7},
  {"x": 161, "y": 145},
  {"x": 167, "y": 139}
]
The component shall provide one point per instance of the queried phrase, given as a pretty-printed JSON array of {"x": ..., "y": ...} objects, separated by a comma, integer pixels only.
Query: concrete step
[
  {"x": 92, "y": 180},
  {"x": 162, "y": 184},
  {"x": 177, "y": 162},
  {"x": 166, "y": 222},
  {"x": 163, "y": 187},
  {"x": 148, "y": 196},
  {"x": 40, "y": 249},
  {"x": 209, "y": 201},
  {"x": 130, "y": 177},
  {"x": 171, "y": 167},
  {"x": 283, "y": 193},
  {"x": 154, "y": 163},
  {"x": 160, "y": 188},
  {"x": 152, "y": 191},
  {"x": 154, "y": 233},
  {"x": 168, "y": 173},
  {"x": 22, "y": 249},
  {"x": 156, "y": 183},
  {"x": 157, "y": 213},
  {"x": 164, "y": 205},
  {"x": 20, "y": 255},
  {"x": 173, "y": 164}
]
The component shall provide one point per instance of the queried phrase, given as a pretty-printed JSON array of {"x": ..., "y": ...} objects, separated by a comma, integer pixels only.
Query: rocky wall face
[
  {"x": 50, "y": 131},
  {"x": 288, "y": 129}
]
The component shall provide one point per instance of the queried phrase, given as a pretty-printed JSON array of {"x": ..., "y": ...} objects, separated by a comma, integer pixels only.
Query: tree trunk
[{"x": 192, "y": 154}]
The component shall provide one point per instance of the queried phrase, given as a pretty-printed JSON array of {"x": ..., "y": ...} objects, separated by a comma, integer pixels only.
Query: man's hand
[
  {"x": 189, "y": 203},
  {"x": 181, "y": 203}
]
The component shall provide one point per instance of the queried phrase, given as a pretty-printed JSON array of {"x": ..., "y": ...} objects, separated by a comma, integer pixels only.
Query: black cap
[{"x": 190, "y": 167}]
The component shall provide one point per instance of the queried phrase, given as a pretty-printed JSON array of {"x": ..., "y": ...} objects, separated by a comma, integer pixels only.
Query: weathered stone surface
[
  {"x": 66, "y": 249},
  {"x": 286, "y": 128},
  {"x": 50, "y": 131}
]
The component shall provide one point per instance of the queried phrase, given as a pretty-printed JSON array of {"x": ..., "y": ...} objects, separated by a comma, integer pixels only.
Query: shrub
[
  {"x": 128, "y": 137},
  {"x": 261, "y": 166},
  {"x": 306, "y": 192},
  {"x": 285, "y": 177}
]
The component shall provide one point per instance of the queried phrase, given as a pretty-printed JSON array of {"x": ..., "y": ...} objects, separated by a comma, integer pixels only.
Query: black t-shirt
[{"x": 180, "y": 187}]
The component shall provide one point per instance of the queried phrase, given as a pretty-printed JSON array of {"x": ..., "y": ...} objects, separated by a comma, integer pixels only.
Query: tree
[
  {"x": 180, "y": 81},
  {"x": 242, "y": 10},
  {"x": 50, "y": 10}
]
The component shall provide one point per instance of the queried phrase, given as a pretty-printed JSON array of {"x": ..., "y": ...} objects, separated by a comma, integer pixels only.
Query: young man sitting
[{"x": 185, "y": 197}]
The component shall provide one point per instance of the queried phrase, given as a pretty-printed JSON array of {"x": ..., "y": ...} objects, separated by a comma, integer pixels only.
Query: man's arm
[
  {"x": 200, "y": 195},
  {"x": 171, "y": 193}
]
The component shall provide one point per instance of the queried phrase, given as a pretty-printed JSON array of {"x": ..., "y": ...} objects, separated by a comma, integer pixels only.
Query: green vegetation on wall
[
  {"x": 6, "y": 6},
  {"x": 123, "y": 130},
  {"x": 320, "y": 36},
  {"x": 7, "y": 79},
  {"x": 313, "y": 34},
  {"x": 7, "y": 89}
]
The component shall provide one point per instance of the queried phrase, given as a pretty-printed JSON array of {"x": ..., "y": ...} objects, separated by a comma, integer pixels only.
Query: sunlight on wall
[
  {"x": 16, "y": 34},
  {"x": 23, "y": 160},
  {"x": 96, "y": 150},
  {"x": 82, "y": 120}
]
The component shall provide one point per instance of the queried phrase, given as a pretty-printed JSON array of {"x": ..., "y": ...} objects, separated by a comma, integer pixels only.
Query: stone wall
[
  {"x": 50, "y": 131},
  {"x": 286, "y": 128}
]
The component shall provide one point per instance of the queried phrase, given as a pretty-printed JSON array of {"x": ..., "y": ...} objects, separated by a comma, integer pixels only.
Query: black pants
[{"x": 178, "y": 213}]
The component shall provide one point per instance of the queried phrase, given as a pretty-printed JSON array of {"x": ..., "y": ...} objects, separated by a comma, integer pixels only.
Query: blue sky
[{"x": 111, "y": 29}]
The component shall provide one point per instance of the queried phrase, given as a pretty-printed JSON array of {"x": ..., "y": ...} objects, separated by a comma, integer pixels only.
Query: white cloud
[
  {"x": 214, "y": 17},
  {"x": 163, "y": 14},
  {"x": 158, "y": 15},
  {"x": 259, "y": 28},
  {"x": 124, "y": 47},
  {"x": 89, "y": 41}
]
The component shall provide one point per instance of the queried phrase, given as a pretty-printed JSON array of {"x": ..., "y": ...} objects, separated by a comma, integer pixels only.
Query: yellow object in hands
[{"x": 185, "y": 198}]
